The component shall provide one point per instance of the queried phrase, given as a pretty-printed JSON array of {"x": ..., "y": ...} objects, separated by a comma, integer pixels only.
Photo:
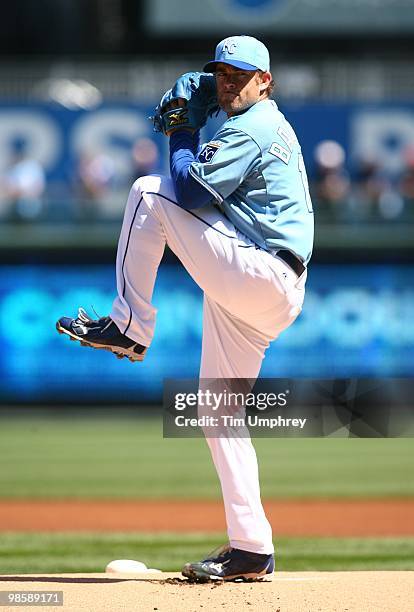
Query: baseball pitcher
[{"x": 237, "y": 213}]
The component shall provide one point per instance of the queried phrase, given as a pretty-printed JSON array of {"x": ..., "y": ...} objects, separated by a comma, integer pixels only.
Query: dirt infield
[
  {"x": 286, "y": 592},
  {"x": 340, "y": 518}
]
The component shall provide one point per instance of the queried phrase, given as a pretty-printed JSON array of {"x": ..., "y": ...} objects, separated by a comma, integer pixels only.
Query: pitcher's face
[{"x": 238, "y": 89}]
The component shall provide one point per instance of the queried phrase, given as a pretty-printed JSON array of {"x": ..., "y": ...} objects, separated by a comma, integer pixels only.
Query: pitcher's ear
[{"x": 266, "y": 79}]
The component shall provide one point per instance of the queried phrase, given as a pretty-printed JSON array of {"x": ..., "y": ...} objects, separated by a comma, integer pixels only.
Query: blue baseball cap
[{"x": 243, "y": 52}]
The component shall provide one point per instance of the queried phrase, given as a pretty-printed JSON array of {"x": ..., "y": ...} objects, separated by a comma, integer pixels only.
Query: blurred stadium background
[{"x": 78, "y": 80}]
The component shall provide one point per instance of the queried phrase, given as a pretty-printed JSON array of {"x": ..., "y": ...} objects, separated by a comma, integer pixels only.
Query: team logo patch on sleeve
[{"x": 209, "y": 151}]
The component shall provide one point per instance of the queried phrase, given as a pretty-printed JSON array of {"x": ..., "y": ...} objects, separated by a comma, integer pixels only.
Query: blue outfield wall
[
  {"x": 357, "y": 321},
  {"x": 57, "y": 136}
]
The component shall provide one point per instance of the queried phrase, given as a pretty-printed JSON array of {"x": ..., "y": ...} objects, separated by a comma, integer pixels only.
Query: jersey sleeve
[{"x": 224, "y": 162}]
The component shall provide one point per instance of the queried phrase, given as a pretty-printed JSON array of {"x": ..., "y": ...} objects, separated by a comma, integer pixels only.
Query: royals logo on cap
[
  {"x": 229, "y": 46},
  {"x": 243, "y": 52}
]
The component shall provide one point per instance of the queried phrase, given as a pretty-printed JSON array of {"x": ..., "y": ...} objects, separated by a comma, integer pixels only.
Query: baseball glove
[{"x": 198, "y": 89}]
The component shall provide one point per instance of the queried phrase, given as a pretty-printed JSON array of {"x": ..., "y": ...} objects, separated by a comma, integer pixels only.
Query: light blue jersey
[{"x": 254, "y": 168}]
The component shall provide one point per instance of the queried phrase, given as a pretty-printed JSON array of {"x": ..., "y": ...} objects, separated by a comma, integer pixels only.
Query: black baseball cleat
[
  {"x": 232, "y": 564},
  {"x": 101, "y": 334}
]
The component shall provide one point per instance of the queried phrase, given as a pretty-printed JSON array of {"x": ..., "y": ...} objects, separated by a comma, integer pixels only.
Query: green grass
[
  {"x": 56, "y": 553},
  {"x": 114, "y": 457}
]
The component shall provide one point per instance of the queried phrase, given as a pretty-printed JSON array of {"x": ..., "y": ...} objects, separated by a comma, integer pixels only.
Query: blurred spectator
[
  {"x": 100, "y": 190},
  {"x": 23, "y": 186},
  {"x": 391, "y": 205},
  {"x": 406, "y": 184},
  {"x": 372, "y": 192},
  {"x": 331, "y": 187},
  {"x": 146, "y": 158},
  {"x": 94, "y": 184}
]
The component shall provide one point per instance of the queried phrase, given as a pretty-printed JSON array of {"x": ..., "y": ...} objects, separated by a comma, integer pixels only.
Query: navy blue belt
[{"x": 291, "y": 260}]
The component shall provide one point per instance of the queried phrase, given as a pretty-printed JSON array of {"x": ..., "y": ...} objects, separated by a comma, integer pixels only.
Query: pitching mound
[{"x": 285, "y": 592}]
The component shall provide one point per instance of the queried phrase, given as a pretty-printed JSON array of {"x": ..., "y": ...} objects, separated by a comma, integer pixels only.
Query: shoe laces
[
  {"x": 93, "y": 308},
  {"x": 83, "y": 317},
  {"x": 220, "y": 553}
]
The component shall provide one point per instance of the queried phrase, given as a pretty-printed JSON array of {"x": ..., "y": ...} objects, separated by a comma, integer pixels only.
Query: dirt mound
[{"x": 286, "y": 592}]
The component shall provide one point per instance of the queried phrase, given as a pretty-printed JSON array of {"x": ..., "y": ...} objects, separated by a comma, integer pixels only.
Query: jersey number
[
  {"x": 305, "y": 183},
  {"x": 281, "y": 152},
  {"x": 288, "y": 136}
]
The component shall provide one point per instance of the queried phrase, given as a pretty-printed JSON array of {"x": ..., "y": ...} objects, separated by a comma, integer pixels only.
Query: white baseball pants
[{"x": 250, "y": 296}]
